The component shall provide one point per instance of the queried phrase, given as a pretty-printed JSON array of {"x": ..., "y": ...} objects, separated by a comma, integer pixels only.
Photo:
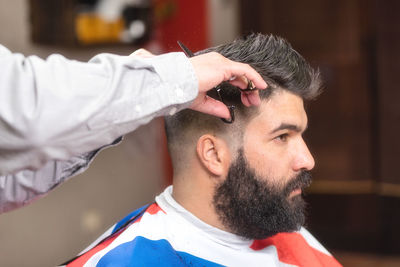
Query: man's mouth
[
  {"x": 295, "y": 187},
  {"x": 295, "y": 192}
]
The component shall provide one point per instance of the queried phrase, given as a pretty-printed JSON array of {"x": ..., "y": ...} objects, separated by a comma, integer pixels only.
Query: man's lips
[
  {"x": 300, "y": 181},
  {"x": 295, "y": 192}
]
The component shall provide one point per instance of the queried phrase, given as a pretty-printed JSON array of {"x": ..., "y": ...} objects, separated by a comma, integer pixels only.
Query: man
[
  {"x": 56, "y": 114},
  {"x": 236, "y": 195}
]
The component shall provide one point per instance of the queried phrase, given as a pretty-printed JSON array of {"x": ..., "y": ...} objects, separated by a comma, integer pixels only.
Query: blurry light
[
  {"x": 137, "y": 29},
  {"x": 91, "y": 221}
]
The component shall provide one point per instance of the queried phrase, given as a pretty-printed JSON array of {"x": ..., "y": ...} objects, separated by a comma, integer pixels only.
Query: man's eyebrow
[{"x": 288, "y": 126}]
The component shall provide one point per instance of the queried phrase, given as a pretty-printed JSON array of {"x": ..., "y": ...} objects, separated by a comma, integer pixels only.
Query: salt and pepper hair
[
  {"x": 282, "y": 67},
  {"x": 276, "y": 61}
]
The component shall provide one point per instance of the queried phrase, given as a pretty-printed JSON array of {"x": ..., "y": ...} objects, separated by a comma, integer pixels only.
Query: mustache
[{"x": 302, "y": 180}]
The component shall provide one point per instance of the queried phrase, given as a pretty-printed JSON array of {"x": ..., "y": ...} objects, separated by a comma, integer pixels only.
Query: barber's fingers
[
  {"x": 212, "y": 68},
  {"x": 211, "y": 106},
  {"x": 239, "y": 81},
  {"x": 141, "y": 52},
  {"x": 242, "y": 82},
  {"x": 251, "y": 98},
  {"x": 241, "y": 74}
]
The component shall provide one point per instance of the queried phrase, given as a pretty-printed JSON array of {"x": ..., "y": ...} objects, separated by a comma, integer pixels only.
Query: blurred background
[{"x": 353, "y": 133}]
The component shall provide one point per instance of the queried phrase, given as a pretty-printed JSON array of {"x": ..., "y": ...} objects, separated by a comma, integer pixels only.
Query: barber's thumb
[
  {"x": 213, "y": 107},
  {"x": 141, "y": 52}
]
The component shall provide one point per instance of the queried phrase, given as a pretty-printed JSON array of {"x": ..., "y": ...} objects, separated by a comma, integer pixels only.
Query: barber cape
[{"x": 165, "y": 234}]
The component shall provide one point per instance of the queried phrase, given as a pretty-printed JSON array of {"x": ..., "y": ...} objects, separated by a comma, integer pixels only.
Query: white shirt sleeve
[
  {"x": 55, "y": 109},
  {"x": 24, "y": 187},
  {"x": 56, "y": 114}
]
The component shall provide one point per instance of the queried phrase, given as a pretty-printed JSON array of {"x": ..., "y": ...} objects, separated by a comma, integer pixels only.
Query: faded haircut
[{"x": 282, "y": 67}]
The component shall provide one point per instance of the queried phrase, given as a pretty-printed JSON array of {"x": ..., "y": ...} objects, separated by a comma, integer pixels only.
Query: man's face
[{"x": 261, "y": 195}]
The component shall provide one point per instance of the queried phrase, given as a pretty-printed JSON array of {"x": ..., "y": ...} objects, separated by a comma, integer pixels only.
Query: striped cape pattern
[{"x": 165, "y": 234}]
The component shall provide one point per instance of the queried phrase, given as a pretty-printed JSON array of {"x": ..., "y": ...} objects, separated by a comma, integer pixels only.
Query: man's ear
[{"x": 213, "y": 154}]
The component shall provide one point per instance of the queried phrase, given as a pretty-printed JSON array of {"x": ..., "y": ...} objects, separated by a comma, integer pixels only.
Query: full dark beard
[{"x": 251, "y": 207}]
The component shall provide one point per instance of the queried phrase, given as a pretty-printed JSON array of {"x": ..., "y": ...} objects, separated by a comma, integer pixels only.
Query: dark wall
[{"x": 354, "y": 124}]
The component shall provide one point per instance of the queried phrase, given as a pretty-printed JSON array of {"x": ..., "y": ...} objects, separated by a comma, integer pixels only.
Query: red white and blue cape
[{"x": 165, "y": 234}]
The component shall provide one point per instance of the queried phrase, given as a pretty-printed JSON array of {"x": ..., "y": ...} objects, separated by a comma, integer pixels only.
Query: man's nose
[{"x": 303, "y": 160}]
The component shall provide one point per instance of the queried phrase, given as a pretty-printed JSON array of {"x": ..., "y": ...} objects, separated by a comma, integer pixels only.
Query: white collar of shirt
[{"x": 172, "y": 208}]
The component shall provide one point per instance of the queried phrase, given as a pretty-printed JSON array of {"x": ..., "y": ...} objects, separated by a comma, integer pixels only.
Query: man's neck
[{"x": 197, "y": 198}]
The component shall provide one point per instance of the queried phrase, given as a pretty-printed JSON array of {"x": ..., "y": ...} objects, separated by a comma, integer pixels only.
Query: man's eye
[{"x": 282, "y": 137}]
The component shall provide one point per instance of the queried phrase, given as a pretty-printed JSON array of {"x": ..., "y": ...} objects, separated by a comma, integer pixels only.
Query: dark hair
[
  {"x": 276, "y": 61},
  {"x": 282, "y": 67}
]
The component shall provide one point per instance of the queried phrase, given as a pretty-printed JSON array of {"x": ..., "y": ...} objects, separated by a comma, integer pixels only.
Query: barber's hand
[
  {"x": 211, "y": 69},
  {"x": 141, "y": 52}
]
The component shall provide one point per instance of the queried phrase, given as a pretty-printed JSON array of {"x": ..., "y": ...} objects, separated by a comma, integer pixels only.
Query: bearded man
[{"x": 236, "y": 197}]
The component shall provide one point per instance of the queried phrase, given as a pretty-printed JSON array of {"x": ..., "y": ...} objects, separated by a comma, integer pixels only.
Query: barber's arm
[
  {"x": 57, "y": 108},
  {"x": 26, "y": 186},
  {"x": 56, "y": 114}
]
